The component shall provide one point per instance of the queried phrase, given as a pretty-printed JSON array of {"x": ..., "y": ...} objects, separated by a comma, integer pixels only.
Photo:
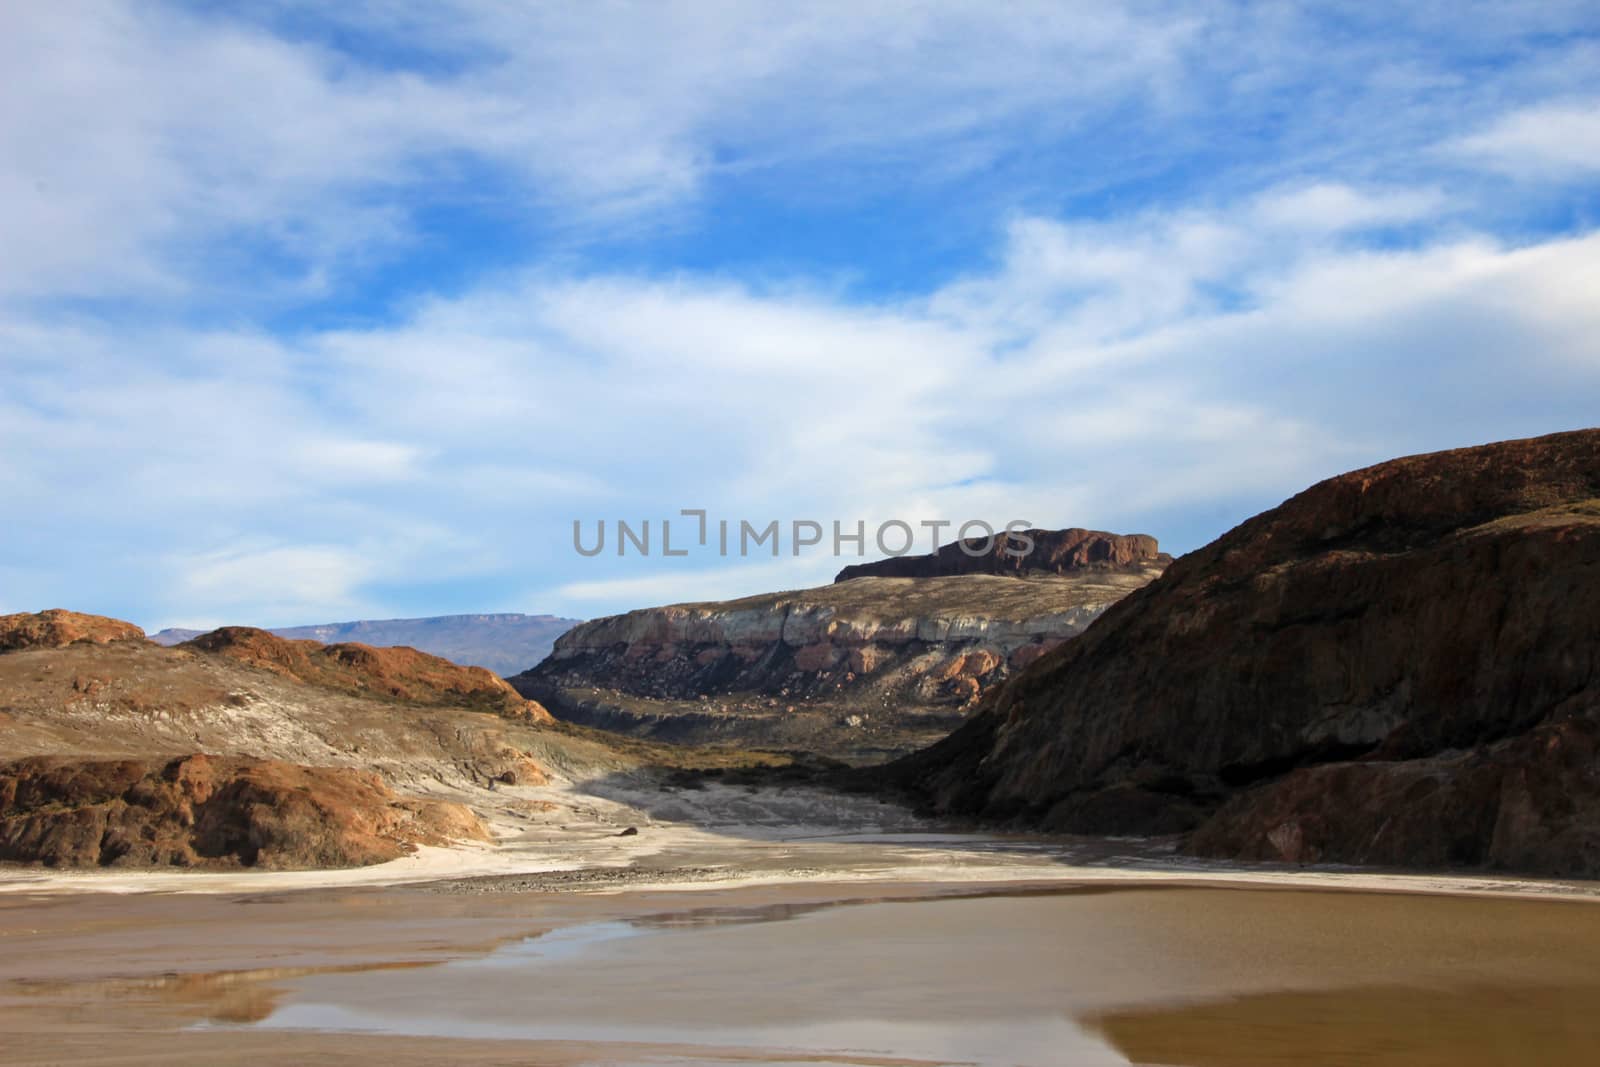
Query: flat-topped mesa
[
  {"x": 57, "y": 628},
  {"x": 1023, "y": 554},
  {"x": 894, "y": 649},
  {"x": 399, "y": 673},
  {"x": 930, "y": 638},
  {"x": 1400, "y": 665}
]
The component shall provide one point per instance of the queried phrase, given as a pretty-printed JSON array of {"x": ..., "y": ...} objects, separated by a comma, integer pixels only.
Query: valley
[{"x": 1361, "y": 724}]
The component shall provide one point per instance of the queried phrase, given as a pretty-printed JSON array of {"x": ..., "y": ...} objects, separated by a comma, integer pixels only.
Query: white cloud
[
  {"x": 690, "y": 586},
  {"x": 1169, "y": 358},
  {"x": 630, "y": 397},
  {"x": 181, "y": 155},
  {"x": 134, "y": 132},
  {"x": 142, "y": 139},
  {"x": 360, "y": 462},
  {"x": 276, "y": 581},
  {"x": 1550, "y": 141},
  {"x": 1331, "y": 208}
]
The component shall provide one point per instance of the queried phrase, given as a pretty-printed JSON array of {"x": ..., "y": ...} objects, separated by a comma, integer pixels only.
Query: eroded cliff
[
  {"x": 1399, "y": 665},
  {"x": 830, "y": 668}
]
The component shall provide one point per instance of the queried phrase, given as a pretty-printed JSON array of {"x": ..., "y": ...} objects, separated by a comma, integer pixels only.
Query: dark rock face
[
  {"x": 1399, "y": 665},
  {"x": 1052, "y": 552},
  {"x": 1528, "y": 803},
  {"x": 211, "y": 811}
]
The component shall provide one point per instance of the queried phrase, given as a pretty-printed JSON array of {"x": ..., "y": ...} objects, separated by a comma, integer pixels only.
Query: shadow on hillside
[
  {"x": 833, "y": 828},
  {"x": 859, "y": 832}
]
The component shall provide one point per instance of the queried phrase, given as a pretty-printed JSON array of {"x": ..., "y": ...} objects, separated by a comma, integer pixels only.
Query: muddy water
[{"x": 1113, "y": 976}]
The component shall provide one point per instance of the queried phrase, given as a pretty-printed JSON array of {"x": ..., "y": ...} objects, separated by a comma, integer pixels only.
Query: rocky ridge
[
  {"x": 396, "y": 673},
  {"x": 1398, "y": 665},
  {"x": 864, "y": 656},
  {"x": 242, "y": 749},
  {"x": 56, "y": 627},
  {"x": 504, "y": 643}
]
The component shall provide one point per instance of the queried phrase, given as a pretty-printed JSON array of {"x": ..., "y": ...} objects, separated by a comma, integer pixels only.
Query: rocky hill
[
  {"x": 1400, "y": 665},
  {"x": 197, "y": 811},
  {"x": 244, "y": 749},
  {"x": 503, "y": 643},
  {"x": 398, "y": 673},
  {"x": 55, "y": 628},
  {"x": 861, "y": 666}
]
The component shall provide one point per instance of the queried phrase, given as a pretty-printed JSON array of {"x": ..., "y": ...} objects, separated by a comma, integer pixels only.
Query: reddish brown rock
[
  {"x": 1051, "y": 552},
  {"x": 210, "y": 811},
  {"x": 56, "y": 628},
  {"x": 397, "y": 673},
  {"x": 818, "y": 657},
  {"x": 1396, "y": 665},
  {"x": 865, "y": 660},
  {"x": 980, "y": 662}
]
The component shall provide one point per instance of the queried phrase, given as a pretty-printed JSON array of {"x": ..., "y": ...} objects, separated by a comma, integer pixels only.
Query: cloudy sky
[{"x": 312, "y": 312}]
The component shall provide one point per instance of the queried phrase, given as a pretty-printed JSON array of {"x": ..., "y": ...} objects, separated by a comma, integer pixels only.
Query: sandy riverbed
[
  {"x": 571, "y": 836},
  {"x": 742, "y": 926}
]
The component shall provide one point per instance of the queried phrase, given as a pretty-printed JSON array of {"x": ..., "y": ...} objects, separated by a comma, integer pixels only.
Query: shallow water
[{"x": 1175, "y": 976}]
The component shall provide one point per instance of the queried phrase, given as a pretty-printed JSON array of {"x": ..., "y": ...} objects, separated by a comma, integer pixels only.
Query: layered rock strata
[{"x": 861, "y": 651}]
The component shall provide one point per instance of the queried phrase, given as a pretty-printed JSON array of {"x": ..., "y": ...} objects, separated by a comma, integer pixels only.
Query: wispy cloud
[
  {"x": 702, "y": 393},
  {"x": 1190, "y": 258},
  {"x": 1557, "y": 141},
  {"x": 165, "y": 151}
]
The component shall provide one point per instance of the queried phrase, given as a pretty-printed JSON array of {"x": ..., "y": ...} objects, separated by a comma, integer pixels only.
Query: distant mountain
[
  {"x": 175, "y": 635},
  {"x": 505, "y": 644}
]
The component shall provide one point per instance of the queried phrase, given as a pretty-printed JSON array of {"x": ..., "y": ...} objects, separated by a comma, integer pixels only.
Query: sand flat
[{"x": 841, "y": 972}]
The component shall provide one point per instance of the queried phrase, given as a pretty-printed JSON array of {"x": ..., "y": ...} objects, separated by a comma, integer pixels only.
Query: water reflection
[
  {"x": 1041, "y": 1042},
  {"x": 1096, "y": 976}
]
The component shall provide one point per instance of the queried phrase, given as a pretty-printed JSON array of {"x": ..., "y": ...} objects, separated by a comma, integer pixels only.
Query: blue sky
[{"x": 314, "y": 312}]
